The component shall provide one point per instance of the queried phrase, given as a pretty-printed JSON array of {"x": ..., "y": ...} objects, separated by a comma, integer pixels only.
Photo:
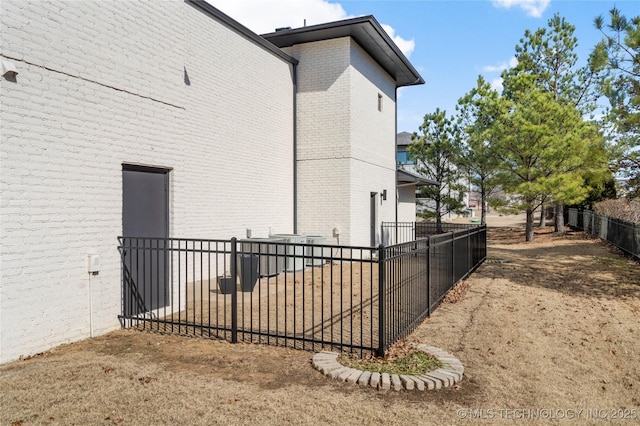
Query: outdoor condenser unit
[
  {"x": 315, "y": 255},
  {"x": 271, "y": 256},
  {"x": 294, "y": 260}
]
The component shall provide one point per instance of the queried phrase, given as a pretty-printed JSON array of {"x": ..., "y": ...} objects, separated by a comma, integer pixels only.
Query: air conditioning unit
[
  {"x": 271, "y": 256},
  {"x": 294, "y": 251},
  {"x": 316, "y": 256}
]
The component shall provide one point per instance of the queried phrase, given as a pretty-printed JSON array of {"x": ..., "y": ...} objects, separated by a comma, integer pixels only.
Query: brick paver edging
[{"x": 450, "y": 374}]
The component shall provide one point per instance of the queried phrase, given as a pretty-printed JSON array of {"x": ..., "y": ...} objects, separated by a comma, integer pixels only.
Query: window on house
[
  {"x": 403, "y": 157},
  {"x": 379, "y": 102}
]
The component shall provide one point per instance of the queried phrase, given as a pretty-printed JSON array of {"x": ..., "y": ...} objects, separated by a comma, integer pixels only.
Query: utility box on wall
[{"x": 93, "y": 264}]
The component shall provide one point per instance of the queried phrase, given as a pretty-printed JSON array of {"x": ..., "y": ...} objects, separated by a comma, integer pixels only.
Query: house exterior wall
[
  {"x": 106, "y": 83},
  {"x": 346, "y": 147},
  {"x": 407, "y": 204},
  {"x": 372, "y": 138},
  {"x": 323, "y": 152}
]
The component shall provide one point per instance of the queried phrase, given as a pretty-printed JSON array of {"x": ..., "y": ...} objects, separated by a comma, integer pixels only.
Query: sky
[{"x": 450, "y": 42}]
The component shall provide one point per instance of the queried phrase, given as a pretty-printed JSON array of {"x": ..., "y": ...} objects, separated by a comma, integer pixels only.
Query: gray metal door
[{"x": 145, "y": 225}]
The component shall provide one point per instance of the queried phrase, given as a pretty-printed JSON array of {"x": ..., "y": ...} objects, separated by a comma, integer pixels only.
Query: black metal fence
[
  {"x": 401, "y": 232},
  {"x": 306, "y": 296},
  {"x": 624, "y": 235},
  {"x": 418, "y": 274}
]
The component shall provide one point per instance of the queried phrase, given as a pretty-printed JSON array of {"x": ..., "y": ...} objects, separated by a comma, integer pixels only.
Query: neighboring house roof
[
  {"x": 367, "y": 32},
  {"x": 241, "y": 29},
  {"x": 405, "y": 177},
  {"x": 403, "y": 139}
]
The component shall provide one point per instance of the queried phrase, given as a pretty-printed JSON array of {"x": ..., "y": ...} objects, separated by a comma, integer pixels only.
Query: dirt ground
[{"x": 548, "y": 331}]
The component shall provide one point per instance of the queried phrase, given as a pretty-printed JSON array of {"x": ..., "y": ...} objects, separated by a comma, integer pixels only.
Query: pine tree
[
  {"x": 543, "y": 146},
  {"x": 477, "y": 112},
  {"x": 548, "y": 57},
  {"x": 436, "y": 151},
  {"x": 619, "y": 51}
]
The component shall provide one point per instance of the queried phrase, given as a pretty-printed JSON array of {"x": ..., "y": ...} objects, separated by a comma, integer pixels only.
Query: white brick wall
[
  {"x": 407, "y": 204},
  {"x": 373, "y": 134},
  {"x": 346, "y": 147},
  {"x": 102, "y": 83}
]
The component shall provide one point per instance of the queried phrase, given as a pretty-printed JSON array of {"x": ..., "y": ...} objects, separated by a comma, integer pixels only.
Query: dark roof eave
[
  {"x": 404, "y": 177},
  {"x": 368, "y": 33},
  {"x": 241, "y": 29}
]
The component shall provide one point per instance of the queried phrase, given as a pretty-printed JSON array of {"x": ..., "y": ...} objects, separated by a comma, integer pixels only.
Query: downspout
[
  {"x": 395, "y": 158},
  {"x": 295, "y": 148},
  {"x": 395, "y": 161}
]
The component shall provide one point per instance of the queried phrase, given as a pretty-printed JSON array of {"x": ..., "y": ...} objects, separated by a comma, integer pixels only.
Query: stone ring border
[{"x": 450, "y": 374}]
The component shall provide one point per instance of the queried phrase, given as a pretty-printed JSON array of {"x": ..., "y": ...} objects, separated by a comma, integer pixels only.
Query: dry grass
[
  {"x": 557, "y": 327},
  {"x": 334, "y": 302}
]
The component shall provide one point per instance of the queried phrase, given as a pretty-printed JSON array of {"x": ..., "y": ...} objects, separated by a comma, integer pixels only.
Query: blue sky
[{"x": 449, "y": 42}]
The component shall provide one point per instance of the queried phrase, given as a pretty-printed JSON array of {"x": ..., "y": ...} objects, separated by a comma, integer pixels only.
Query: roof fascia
[
  {"x": 415, "y": 178},
  {"x": 347, "y": 23},
  {"x": 395, "y": 48}
]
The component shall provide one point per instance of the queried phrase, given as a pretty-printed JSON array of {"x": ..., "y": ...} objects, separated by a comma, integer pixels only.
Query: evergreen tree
[
  {"x": 477, "y": 112},
  {"x": 543, "y": 146},
  {"x": 548, "y": 56},
  {"x": 619, "y": 50},
  {"x": 436, "y": 151}
]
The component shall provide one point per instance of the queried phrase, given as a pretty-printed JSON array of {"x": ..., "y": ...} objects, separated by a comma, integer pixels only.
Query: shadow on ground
[{"x": 574, "y": 263}]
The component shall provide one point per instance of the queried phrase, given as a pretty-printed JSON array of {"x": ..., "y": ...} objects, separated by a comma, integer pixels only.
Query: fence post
[
  {"x": 469, "y": 252},
  {"x": 484, "y": 243},
  {"x": 428, "y": 276},
  {"x": 453, "y": 260},
  {"x": 234, "y": 294},
  {"x": 381, "y": 299},
  {"x": 636, "y": 238}
]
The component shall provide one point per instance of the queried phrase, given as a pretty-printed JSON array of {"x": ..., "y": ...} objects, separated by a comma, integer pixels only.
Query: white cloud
[
  {"x": 405, "y": 46},
  {"x": 492, "y": 68},
  {"x": 533, "y": 8},
  {"x": 503, "y": 66},
  {"x": 264, "y": 16},
  {"x": 496, "y": 84}
]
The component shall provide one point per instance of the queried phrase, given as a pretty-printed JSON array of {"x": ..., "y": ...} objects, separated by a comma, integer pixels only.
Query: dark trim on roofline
[
  {"x": 240, "y": 29},
  {"x": 386, "y": 48},
  {"x": 409, "y": 178}
]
